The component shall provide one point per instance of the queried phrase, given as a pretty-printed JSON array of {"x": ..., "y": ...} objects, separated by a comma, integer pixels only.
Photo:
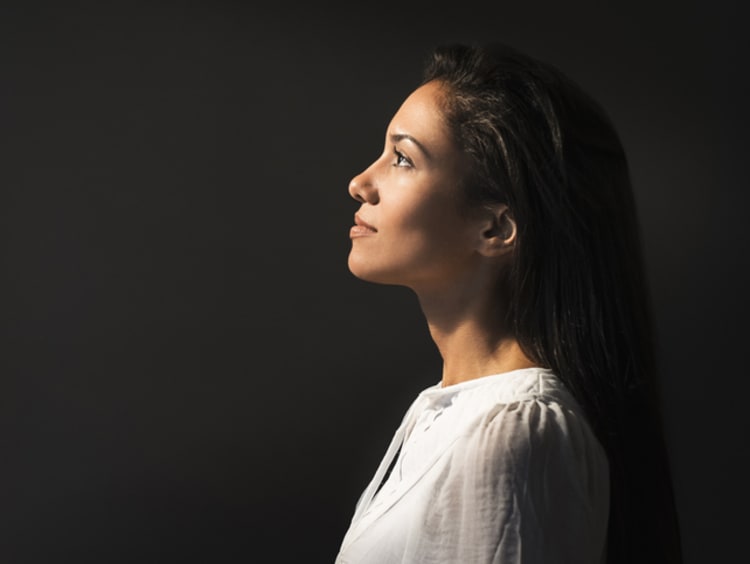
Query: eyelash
[{"x": 399, "y": 156}]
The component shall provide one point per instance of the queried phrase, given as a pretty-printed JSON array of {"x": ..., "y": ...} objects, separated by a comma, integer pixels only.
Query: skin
[{"x": 413, "y": 229}]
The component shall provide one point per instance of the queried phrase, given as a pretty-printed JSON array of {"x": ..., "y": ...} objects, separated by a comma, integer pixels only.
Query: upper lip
[{"x": 359, "y": 221}]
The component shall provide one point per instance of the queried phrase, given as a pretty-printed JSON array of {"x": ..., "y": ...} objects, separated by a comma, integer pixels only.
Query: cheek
[
  {"x": 434, "y": 234},
  {"x": 419, "y": 209},
  {"x": 439, "y": 219}
]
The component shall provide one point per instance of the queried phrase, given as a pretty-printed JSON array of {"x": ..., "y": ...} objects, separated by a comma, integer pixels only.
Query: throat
[
  {"x": 477, "y": 361},
  {"x": 469, "y": 327}
]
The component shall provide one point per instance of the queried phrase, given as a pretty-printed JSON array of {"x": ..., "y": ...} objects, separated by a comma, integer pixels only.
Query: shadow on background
[{"x": 190, "y": 373}]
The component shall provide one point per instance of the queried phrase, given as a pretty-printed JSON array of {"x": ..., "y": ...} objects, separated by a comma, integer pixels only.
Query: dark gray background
[{"x": 189, "y": 372}]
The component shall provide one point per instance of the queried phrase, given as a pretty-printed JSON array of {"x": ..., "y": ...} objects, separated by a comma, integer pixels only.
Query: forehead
[{"x": 421, "y": 116}]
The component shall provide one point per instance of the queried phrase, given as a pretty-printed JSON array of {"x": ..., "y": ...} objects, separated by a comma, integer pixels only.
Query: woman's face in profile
[{"x": 411, "y": 228}]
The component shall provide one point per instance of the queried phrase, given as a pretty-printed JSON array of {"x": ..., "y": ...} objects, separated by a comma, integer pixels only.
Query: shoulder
[
  {"x": 533, "y": 396},
  {"x": 525, "y": 472},
  {"x": 523, "y": 417},
  {"x": 528, "y": 384}
]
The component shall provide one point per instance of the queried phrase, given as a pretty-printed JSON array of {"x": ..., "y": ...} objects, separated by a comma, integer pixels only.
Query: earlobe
[{"x": 499, "y": 231}]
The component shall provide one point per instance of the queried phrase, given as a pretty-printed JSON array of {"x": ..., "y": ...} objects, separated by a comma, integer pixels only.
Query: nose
[{"x": 362, "y": 188}]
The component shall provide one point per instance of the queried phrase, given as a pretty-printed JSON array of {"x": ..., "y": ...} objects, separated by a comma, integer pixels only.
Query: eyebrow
[{"x": 396, "y": 137}]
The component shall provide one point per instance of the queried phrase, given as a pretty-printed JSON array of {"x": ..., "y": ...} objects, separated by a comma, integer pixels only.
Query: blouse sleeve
[{"x": 528, "y": 484}]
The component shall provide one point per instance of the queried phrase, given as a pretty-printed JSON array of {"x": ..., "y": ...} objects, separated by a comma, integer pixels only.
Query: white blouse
[{"x": 500, "y": 469}]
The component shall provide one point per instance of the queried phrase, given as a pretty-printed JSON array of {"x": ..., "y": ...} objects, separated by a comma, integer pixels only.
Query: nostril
[
  {"x": 356, "y": 194},
  {"x": 362, "y": 189},
  {"x": 355, "y": 189}
]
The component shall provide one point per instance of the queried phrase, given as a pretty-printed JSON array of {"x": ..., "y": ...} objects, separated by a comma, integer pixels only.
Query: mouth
[{"x": 361, "y": 228}]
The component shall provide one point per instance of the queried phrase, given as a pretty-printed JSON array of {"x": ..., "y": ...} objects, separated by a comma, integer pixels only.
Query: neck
[{"x": 471, "y": 335}]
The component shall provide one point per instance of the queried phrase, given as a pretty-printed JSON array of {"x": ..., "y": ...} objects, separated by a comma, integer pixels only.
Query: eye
[{"x": 401, "y": 159}]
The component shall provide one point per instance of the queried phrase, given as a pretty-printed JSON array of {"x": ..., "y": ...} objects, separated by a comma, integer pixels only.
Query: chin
[
  {"x": 358, "y": 269},
  {"x": 365, "y": 271}
]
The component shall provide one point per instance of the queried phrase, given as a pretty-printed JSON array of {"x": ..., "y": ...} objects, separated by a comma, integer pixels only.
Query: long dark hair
[{"x": 579, "y": 301}]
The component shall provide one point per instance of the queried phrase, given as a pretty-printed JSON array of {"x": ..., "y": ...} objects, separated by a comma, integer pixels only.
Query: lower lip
[{"x": 360, "y": 231}]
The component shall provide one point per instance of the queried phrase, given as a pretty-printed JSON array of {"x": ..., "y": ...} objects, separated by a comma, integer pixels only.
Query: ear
[{"x": 498, "y": 231}]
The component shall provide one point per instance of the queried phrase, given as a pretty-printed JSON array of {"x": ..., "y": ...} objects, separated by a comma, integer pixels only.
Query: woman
[{"x": 502, "y": 198}]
